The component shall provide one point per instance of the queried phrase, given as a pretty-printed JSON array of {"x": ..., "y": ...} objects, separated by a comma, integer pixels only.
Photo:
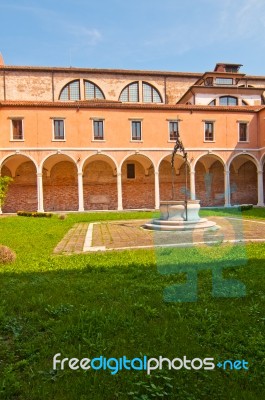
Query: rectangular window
[
  {"x": 224, "y": 81},
  {"x": 136, "y": 130},
  {"x": 208, "y": 131},
  {"x": 130, "y": 171},
  {"x": 98, "y": 130},
  {"x": 17, "y": 129},
  {"x": 58, "y": 129},
  {"x": 173, "y": 130},
  {"x": 243, "y": 131}
]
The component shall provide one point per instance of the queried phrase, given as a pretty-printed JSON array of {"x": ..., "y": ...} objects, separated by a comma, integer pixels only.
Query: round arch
[
  {"x": 138, "y": 181},
  {"x": 60, "y": 183},
  {"x": 243, "y": 170},
  {"x": 173, "y": 184},
  {"x": 19, "y": 154},
  {"x": 100, "y": 155},
  {"x": 56, "y": 154},
  {"x": 209, "y": 179},
  {"x": 100, "y": 182},
  {"x": 22, "y": 191},
  {"x": 210, "y": 154},
  {"x": 138, "y": 155},
  {"x": 247, "y": 154}
]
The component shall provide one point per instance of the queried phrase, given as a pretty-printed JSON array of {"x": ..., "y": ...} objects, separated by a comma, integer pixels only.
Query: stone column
[
  {"x": 40, "y": 192},
  {"x": 192, "y": 185},
  {"x": 260, "y": 189},
  {"x": 119, "y": 191},
  {"x": 80, "y": 191},
  {"x": 227, "y": 188},
  {"x": 157, "y": 191}
]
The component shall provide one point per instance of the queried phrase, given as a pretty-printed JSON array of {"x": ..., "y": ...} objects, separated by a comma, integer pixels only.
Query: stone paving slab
[
  {"x": 118, "y": 235},
  {"x": 73, "y": 241}
]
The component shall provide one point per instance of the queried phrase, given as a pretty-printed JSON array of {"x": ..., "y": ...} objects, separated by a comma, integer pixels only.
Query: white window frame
[
  {"x": 53, "y": 119},
  {"x": 98, "y": 119},
  {"x": 204, "y": 131},
  {"x": 170, "y": 121},
  {"x": 12, "y": 130},
  {"x": 247, "y": 128},
  {"x": 141, "y": 125}
]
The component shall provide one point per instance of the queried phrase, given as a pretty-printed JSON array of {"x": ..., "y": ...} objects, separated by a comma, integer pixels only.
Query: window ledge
[
  {"x": 136, "y": 141},
  {"x": 209, "y": 141},
  {"x": 243, "y": 141},
  {"x": 17, "y": 140},
  {"x": 58, "y": 140},
  {"x": 98, "y": 140}
]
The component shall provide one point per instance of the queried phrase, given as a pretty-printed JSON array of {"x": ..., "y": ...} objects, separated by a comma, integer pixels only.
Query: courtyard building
[{"x": 76, "y": 139}]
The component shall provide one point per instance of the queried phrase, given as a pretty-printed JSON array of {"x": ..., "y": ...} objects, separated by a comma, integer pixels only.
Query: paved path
[
  {"x": 73, "y": 241},
  {"x": 118, "y": 235}
]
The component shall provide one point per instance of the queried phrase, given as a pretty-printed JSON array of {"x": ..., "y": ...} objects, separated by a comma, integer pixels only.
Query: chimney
[{"x": 2, "y": 63}]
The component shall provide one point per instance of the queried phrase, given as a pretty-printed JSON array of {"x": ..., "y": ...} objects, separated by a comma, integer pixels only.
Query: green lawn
[{"x": 112, "y": 304}]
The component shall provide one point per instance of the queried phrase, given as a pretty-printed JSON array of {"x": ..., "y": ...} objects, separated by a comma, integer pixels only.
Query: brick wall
[
  {"x": 209, "y": 186},
  {"x": 22, "y": 192},
  {"x": 165, "y": 180},
  {"x": 60, "y": 187},
  {"x": 244, "y": 184},
  {"x": 138, "y": 192},
  {"x": 100, "y": 186},
  {"x": 60, "y": 191}
]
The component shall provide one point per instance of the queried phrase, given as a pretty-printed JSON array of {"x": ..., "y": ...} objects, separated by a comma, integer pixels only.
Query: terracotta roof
[
  {"x": 116, "y": 71},
  {"x": 133, "y": 106},
  {"x": 99, "y": 70}
]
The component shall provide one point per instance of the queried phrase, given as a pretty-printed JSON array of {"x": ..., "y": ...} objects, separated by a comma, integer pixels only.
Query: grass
[{"x": 112, "y": 304}]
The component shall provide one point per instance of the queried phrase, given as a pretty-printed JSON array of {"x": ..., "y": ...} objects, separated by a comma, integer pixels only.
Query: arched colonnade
[{"x": 61, "y": 182}]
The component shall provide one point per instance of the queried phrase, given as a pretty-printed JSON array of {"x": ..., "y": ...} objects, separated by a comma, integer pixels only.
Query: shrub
[
  {"x": 6, "y": 255},
  {"x": 4, "y": 183},
  {"x": 34, "y": 214}
]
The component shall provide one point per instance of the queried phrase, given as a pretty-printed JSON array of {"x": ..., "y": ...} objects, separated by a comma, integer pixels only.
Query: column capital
[{"x": 39, "y": 174}]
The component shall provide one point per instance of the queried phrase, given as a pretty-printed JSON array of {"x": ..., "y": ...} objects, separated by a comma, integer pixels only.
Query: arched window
[
  {"x": 92, "y": 91},
  {"x": 130, "y": 93},
  {"x": 228, "y": 101},
  {"x": 150, "y": 94},
  {"x": 71, "y": 91}
]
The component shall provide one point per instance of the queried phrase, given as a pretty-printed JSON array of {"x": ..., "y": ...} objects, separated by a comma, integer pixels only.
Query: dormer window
[{"x": 223, "y": 81}]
